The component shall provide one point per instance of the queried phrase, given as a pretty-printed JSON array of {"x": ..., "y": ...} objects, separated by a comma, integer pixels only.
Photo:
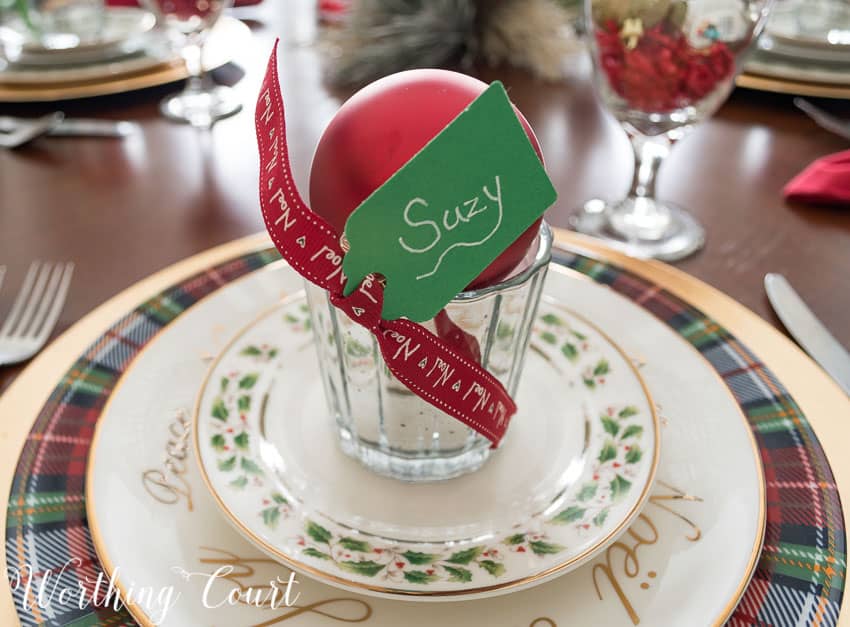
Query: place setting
[
  {"x": 805, "y": 50},
  {"x": 84, "y": 48},
  {"x": 411, "y": 399}
]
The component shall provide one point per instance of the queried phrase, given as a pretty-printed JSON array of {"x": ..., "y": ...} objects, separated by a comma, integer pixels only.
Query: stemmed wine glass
[
  {"x": 188, "y": 23},
  {"x": 661, "y": 66}
]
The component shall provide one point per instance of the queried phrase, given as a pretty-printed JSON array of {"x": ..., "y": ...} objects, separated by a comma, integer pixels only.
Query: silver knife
[
  {"x": 808, "y": 330},
  {"x": 81, "y": 127}
]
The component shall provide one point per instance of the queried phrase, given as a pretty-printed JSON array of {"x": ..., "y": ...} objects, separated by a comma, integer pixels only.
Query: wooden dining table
[{"x": 122, "y": 209}]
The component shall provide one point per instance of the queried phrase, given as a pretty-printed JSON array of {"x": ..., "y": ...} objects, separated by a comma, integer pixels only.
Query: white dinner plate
[
  {"x": 685, "y": 560},
  {"x": 124, "y": 32}
]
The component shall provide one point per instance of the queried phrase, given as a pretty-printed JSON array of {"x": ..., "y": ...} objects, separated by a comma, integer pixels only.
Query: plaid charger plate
[{"x": 800, "y": 575}]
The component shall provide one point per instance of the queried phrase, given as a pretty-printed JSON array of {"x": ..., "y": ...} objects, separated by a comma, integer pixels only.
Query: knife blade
[
  {"x": 81, "y": 127},
  {"x": 809, "y": 332}
]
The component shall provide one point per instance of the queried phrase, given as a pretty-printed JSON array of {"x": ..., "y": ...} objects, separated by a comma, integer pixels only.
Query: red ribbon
[{"x": 425, "y": 363}]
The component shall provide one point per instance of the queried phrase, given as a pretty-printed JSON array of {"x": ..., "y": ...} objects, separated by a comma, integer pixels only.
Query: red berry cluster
[{"x": 663, "y": 71}]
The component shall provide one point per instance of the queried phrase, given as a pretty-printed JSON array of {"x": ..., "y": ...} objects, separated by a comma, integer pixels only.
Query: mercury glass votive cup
[{"x": 387, "y": 427}]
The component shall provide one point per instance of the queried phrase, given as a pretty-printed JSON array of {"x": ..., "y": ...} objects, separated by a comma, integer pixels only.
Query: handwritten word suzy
[{"x": 463, "y": 214}]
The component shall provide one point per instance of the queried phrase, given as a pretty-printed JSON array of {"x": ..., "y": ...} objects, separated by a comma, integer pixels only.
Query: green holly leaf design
[
  {"x": 608, "y": 452},
  {"x": 418, "y": 559},
  {"x": 366, "y": 568},
  {"x": 602, "y": 368},
  {"x": 633, "y": 455},
  {"x": 241, "y": 441},
  {"x": 465, "y": 556},
  {"x": 581, "y": 337},
  {"x": 587, "y": 492},
  {"x": 552, "y": 319},
  {"x": 303, "y": 307},
  {"x": 570, "y": 351},
  {"x": 571, "y": 514},
  {"x": 628, "y": 412},
  {"x": 599, "y": 519},
  {"x": 517, "y": 538},
  {"x": 610, "y": 425},
  {"x": 239, "y": 482},
  {"x": 420, "y": 576},
  {"x": 458, "y": 574},
  {"x": 632, "y": 431},
  {"x": 224, "y": 383},
  {"x": 494, "y": 568},
  {"x": 504, "y": 331},
  {"x": 278, "y": 498},
  {"x": 226, "y": 465},
  {"x": 249, "y": 380},
  {"x": 545, "y": 548},
  {"x": 353, "y": 544},
  {"x": 549, "y": 337},
  {"x": 619, "y": 487},
  {"x": 290, "y": 318},
  {"x": 318, "y": 533},
  {"x": 219, "y": 410},
  {"x": 250, "y": 351},
  {"x": 250, "y": 466},
  {"x": 356, "y": 349},
  {"x": 589, "y": 383},
  {"x": 244, "y": 403},
  {"x": 273, "y": 352},
  {"x": 316, "y": 553},
  {"x": 217, "y": 442},
  {"x": 270, "y": 516}
]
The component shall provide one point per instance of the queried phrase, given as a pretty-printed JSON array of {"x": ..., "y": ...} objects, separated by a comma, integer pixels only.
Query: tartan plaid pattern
[
  {"x": 46, "y": 528},
  {"x": 799, "y": 579},
  {"x": 800, "y": 576}
]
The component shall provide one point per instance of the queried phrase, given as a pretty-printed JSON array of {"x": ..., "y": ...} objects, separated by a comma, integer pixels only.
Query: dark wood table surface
[{"x": 121, "y": 210}]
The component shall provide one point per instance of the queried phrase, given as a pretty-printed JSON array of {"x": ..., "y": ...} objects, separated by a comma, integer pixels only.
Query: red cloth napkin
[{"x": 824, "y": 182}]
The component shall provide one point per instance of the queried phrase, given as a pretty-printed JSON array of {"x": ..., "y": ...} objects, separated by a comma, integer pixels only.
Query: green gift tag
[{"x": 439, "y": 221}]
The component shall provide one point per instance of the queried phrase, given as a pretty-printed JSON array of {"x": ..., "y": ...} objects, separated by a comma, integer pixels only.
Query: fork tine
[
  {"x": 34, "y": 326},
  {"x": 58, "y": 303},
  {"x": 33, "y": 300},
  {"x": 18, "y": 306}
]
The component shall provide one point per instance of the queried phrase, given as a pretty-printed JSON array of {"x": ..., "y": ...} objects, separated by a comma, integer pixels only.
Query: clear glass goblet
[
  {"x": 188, "y": 23},
  {"x": 661, "y": 66}
]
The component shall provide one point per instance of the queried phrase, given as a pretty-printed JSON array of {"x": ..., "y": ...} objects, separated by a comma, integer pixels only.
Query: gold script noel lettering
[
  {"x": 168, "y": 483},
  {"x": 643, "y": 532}
]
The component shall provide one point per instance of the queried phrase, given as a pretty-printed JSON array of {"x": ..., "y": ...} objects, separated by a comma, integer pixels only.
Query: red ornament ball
[{"x": 379, "y": 129}]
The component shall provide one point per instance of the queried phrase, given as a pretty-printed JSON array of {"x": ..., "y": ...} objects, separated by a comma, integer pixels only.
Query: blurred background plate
[
  {"x": 228, "y": 35},
  {"x": 156, "y": 52},
  {"x": 823, "y": 24},
  {"x": 124, "y": 31}
]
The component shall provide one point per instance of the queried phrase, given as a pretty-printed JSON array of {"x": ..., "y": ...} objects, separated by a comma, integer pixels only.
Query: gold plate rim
[
  {"x": 776, "y": 85},
  {"x": 817, "y": 395}
]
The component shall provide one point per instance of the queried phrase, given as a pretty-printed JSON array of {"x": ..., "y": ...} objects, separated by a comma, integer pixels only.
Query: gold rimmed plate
[
  {"x": 708, "y": 500},
  {"x": 577, "y": 468},
  {"x": 156, "y": 66}
]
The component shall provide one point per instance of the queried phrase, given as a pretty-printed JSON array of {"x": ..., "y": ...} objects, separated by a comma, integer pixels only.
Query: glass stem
[
  {"x": 649, "y": 155},
  {"x": 639, "y": 217},
  {"x": 193, "y": 55}
]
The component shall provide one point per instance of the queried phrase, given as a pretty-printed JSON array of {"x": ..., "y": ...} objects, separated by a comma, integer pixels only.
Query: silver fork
[
  {"x": 35, "y": 311},
  {"x": 25, "y": 133},
  {"x": 824, "y": 119}
]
